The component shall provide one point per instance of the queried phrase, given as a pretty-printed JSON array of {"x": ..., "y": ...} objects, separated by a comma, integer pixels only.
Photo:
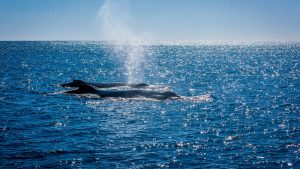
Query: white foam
[{"x": 201, "y": 98}]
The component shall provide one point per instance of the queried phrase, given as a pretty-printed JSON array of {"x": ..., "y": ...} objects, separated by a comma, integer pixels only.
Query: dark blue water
[{"x": 253, "y": 120}]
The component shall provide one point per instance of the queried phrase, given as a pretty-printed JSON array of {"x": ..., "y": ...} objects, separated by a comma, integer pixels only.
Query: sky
[{"x": 190, "y": 20}]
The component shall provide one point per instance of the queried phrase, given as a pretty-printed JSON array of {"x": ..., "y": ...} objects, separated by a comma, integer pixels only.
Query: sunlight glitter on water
[{"x": 247, "y": 115}]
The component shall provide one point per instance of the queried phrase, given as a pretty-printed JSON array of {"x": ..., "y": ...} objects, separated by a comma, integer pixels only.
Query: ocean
[{"x": 251, "y": 121}]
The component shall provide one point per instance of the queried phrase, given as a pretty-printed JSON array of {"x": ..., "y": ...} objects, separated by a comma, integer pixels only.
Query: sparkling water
[{"x": 252, "y": 120}]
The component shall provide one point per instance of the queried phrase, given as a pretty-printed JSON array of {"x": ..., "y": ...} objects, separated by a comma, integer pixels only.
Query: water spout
[{"x": 114, "y": 21}]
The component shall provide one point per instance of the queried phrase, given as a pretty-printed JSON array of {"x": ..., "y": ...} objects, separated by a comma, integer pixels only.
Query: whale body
[
  {"x": 159, "y": 95},
  {"x": 78, "y": 83}
]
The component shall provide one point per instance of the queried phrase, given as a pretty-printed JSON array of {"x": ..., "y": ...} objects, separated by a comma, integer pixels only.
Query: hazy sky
[{"x": 203, "y": 20}]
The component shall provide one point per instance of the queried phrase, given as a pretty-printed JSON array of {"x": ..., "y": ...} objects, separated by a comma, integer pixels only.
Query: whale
[
  {"x": 78, "y": 83},
  {"x": 158, "y": 95}
]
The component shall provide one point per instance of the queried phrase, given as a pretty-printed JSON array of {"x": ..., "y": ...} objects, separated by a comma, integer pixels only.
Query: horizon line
[{"x": 149, "y": 41}]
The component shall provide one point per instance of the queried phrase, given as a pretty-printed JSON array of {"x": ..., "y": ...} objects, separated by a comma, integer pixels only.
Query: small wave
[
  {"x": 201, "y": 98},
  {"x": 118, "y": 99},
  {"x": 158, "y": 88},
  {"x": 55, "y": 93}
]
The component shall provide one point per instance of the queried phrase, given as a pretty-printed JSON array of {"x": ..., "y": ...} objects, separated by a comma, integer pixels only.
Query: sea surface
[{"x": 252, "y": 119}]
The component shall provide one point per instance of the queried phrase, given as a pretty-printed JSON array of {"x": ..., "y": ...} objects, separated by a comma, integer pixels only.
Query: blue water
[{"x": 253, "y": 120}]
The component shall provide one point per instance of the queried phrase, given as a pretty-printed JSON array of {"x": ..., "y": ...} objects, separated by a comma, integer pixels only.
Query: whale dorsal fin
[{"x": 78, "y": 81}]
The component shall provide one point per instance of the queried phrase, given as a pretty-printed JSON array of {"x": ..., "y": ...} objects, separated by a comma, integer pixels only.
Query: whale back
[
  {"x": 83, "y": 89},
  {"x": 78, "y": 81},
  {"x": 75, "y": 83}
]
